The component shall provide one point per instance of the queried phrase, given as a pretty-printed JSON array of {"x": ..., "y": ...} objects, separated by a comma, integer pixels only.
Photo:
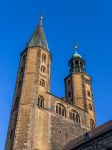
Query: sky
[{"x": 88, "y": 22}]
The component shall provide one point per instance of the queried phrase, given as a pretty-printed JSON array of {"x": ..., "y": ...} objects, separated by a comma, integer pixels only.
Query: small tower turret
[
  {"x": 33, "y": 83},
  {"x": 77, "y": 63},
  {"x": 78, "y": 88}
]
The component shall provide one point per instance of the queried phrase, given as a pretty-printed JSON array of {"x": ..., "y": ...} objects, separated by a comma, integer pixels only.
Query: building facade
[{"x": 40, "y": 120}]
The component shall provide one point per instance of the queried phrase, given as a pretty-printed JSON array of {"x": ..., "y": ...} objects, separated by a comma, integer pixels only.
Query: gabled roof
[{"x": 38, "y": 38}]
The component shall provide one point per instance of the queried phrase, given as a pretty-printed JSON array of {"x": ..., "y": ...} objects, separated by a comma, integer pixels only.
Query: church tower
[
  {"x": 40, "y": 120},
  {"x": 33, "y": 82},
  {"x": 78, "y": 88}
]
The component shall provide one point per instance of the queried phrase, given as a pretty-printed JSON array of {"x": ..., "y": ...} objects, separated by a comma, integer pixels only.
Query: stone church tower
[{"x": 39, "y": 120}]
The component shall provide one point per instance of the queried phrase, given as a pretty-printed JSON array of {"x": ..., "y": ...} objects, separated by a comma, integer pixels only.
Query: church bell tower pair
[{"x": 33, "y": 88}]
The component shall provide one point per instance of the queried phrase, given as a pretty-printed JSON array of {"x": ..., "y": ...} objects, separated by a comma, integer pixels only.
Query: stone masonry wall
[{"x": 63, "y": 131}]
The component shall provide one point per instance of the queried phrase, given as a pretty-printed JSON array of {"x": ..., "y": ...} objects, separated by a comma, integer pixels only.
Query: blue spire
[{"x": 39, "y": 38}]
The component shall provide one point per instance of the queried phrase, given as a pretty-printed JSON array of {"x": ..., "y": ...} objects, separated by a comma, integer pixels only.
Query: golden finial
[
  {"x": 76, "y": 47},
  {"x": 41, "y": 18}
]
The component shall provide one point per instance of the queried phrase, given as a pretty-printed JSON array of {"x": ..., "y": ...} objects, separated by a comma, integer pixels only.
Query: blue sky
[{"x": 86, "y": 21}]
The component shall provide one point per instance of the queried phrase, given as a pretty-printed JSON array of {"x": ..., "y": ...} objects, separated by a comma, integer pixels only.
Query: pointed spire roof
[{"x": 39, "y": 38}]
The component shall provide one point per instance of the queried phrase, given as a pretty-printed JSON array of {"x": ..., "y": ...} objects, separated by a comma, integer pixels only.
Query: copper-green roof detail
[
  {"x": 77, "y": 55},
  {"x": 39, "y": 38}
]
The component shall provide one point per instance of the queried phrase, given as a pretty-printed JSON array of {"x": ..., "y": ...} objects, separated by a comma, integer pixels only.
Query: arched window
[
  {"x": 19, "y": 84},
  {"x": 44, "y": 58},
  {"x": 41, "y": 101},
  {"x": 88, "y": 81},
  {"x": 76, "y": 63},
  {"x": 90, "y": 107},
  {"x": 81, "y": 63},
  {"x": 42, "y": 83},
  {"x": 60, "y": 109},
  {"x": 74, "y": 116},
  {"x": 43, "y": 69},
  {"x": 57, "y": 109},
  {"x": 72, "y": 65},
  {"x": 92, "y": 124},
  {"x": 89, "y": 93}
]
